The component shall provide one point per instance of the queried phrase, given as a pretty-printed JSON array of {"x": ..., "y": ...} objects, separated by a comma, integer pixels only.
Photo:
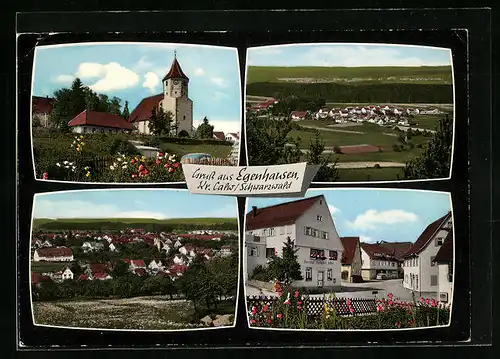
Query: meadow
[{"x": 369, "y": 174}]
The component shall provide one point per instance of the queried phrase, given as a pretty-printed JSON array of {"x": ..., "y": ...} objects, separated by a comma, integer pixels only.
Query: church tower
[{"x": 176, "y": 99}]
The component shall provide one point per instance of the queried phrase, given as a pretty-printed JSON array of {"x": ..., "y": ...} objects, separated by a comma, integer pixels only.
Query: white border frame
[
  {"x": 47, "y": 194},
  {"x": 323, "y": 189},
  {"x": 360, "y": 44},
  {"x": 167, "y": 45}
]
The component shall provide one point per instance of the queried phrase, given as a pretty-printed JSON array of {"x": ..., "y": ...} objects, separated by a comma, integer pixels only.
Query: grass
[
  {"x": 43, "y": 267},
  {"x": 429, "y": 122},
  {"x": 369, "y": 174},
  {"x": 430, "y": 74}
]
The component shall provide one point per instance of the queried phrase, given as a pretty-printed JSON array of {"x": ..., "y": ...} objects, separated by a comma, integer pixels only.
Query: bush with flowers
[{"x": 291, "y": 309}]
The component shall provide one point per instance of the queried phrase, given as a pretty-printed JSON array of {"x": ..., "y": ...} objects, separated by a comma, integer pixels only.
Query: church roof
[
  {"x": 144, "y": 109},
  {"x": 175, "y": 71}
]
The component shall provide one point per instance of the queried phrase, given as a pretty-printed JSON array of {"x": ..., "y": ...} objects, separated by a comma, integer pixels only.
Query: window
[
  {"x": 253, "y": 251},
  {"x": 320, "y": 202},
  {"x": 434, "y": 280},
  {"x": 264, "y": 232},
  {"x": 393, "y": 264},
  {"x": 93, "y": 130},
  {"x": 272, "y": 232},
  {"x": 288, "y": 229},
  {"x": 439, "y": 241},
  {"x": 333, "y": 255},
  {"x": 309, "y": 274},
  {"x": 270, "y": 252},
  {"x": 317, "y": 253},
  {"x": 307, "y": 231},
  {"x": 314, "y": 232},
  {"x": 256, "y": 238},
  {"x": 450, "y": 272},
  {"x": 319, "y": 218},
  {"x": 282, "y": 230},
  {"x": 329, "y": 274},
  {"x": 433, "y": 264},
  {"x": 324, "y": 235}
]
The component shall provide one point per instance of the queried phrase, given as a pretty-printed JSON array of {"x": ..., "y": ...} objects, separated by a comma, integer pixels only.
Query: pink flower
[
  {"x": 422, "y": 299},
  {"x": 299, "y": 302},
  {"x": 299, "y": 307},
  {"x": 397, "y": 324},
  {"x": 133, "y": 161},
  {"x": 158, "y": 162},
  {"x": 171, "y": 169},
  {"x": 380, "y": 308},
  {"x": 349, "y": 302},
  {"x": 427, "y": 301},
  {"x": 265, "y": 308},
  {"x": 161, "y": 154},
  {"x": 296, "y": 295},
  {"x": 287, "y": 301},
  {"x": 390, "y": 302},
  {"x": 134, "y": 175},
  {"x": 167, "y": 165},
  {"x": 176, "y": 164},
  {"x": 269, "y": 321},
  {"x": 433, "y": 303},
  {"x": 280, "y": 293},
  {"x": 280, "y": 315},
  {"x": 351, "y": 309},
  {"x": 252, "y": 321},
  {"x": 45, "y": 175},
  {"x": 390, "y": 295}
]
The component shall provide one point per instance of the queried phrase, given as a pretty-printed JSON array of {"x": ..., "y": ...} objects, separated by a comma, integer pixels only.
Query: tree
[
  {"x": 205, "y": 130},
  {"x": 120, "y": 269},
  {"x": 115, "y": 106},
  {"x": 327, "y": 171},
  {"x": 76, "y": 269},
  {"x": 286, "y": 268},
  {"x": 126, "y": 112},
  {"x": 160, "y": 122},
  {"x": 434, "y": 162}
]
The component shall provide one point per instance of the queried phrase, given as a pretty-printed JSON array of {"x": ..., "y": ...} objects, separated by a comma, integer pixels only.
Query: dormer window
[{"x": 439, "y": 241}]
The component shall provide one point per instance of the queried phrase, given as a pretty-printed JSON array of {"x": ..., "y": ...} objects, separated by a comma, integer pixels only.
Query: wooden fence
[{"x": 315, "y": 306}]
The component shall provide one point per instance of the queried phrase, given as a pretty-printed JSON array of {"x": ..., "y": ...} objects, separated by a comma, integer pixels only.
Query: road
[
  {"x": 366, "y": 164},
  {"x": 332, "y": 129},
  {"x": 360, "y": 290}
]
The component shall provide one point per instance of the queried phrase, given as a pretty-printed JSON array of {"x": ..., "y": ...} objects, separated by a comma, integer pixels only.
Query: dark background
[{"x": 260, "y": 28}]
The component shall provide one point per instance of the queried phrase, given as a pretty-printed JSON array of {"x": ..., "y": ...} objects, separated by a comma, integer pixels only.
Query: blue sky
[
  {"x": 134, "y": 71},
  {"x": 133, "y": 204},
  {"x": 349, "y": 55},
  {"x": 390, "y": 215}
]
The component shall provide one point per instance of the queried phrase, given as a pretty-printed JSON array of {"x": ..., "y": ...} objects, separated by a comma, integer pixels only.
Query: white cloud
[
  {"x": 367, "y": 239},
  {"x": 64, "y": 79},
  {"x": 228, "y": 211},
  {"x": 219, "y": 81},
  {"x": 151, "y": 81},
  {"x": 143, "y": 64},
  {"x": 85, "y": 209},
  {"x": 221, "y": 125},
  {"x": 372, "y": 218},
  {"x": 113, "y": 76},
  {"x": 218, "y": 95},
  {"x": 199, "y": 71},
  {"x": 333, "y": 209}
]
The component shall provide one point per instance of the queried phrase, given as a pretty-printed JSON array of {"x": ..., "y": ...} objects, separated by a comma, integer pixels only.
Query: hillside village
[
  {"x": 421, "y": 266},
  {"x": 93, "y": 255}
]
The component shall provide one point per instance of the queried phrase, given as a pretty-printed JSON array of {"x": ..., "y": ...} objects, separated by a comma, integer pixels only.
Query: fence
[
  {"x": 97, "y": 164},
  {"x": 209, "y": 161},
  {"x": 315, "y": 306}
]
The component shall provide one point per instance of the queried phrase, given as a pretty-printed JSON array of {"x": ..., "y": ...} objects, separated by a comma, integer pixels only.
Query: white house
[
  {"x": 309, "y": 224},
  {"x": 53, "y": 254},
  {"x": 112, "y": 248},
  {"x": 155, "y": 266},
  {"x": 256, "y": 253},
  {"x": 187, "y": 251},
  {"x": 376, "y": 259},
  {"x": 444, "y": 260},
  {"x": 67, "y": 274},
  {"x": 233, "y": 137},
  {"x": 226, "y": 250},
  {"x": 179, "y": 260},
  {"x": 421, "y": 272},
  {"x": 299, "y": 115}
]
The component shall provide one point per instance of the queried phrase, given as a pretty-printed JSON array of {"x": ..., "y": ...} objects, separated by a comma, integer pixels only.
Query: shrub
[
  {"x": 262, "y": 274},
  {"x": 396, "y": 148}
]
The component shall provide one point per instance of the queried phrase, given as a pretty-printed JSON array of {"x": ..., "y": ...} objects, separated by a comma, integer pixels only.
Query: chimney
[{"x": 254, "y": 211}]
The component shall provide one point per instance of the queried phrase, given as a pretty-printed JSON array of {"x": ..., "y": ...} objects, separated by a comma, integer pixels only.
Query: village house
[
  {"x": 445, "y": 262},
  {"x": 256, "y": 253},
  {"x": 351, "y": 259},
  {"x": 92, "y": 247},
  {"x": 174, "y": 99},
  {"x": 187, "y": 250},
  {"x": 233, "y": 137},
  {"x": 376, "y": 259},
  {"x": 37, "y": 279},
  {"x": 226, "y": 250},
  {"x": 155, "y": 266},
  {"x": 135, "y": 264},
  {"x": 67, "y": 274},
  {"x": 219, "y": 135},
  {"x": 299, "y": 115},
  {"x": 180, "y": 259},
  {"x": 104, "y": 122},
  {"x": 309, "y": 224},
  {"x": 102, "y": 276},
  {"x": 398, "y": 249},
  {"x": 53, "y": 254},
  {"x": 42, "y": 108},
  {"x": 421, "y": 273}
]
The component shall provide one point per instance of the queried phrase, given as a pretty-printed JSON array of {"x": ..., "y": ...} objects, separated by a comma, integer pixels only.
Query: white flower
[
  {"x": 119, "y": 159},
  {"x": 172, "y": 158},
  {"x": 74, "y": 167},
  {"x": 112, "y": 167},
  {"x": 70, "y": 163},
  {"x": 58, "y": 164},
  {"x": 123, "y": 156},
  {"x": 65, "y": 162},
  {"x": 124, "y": 166},
  {"x": 66, "y": 166}
]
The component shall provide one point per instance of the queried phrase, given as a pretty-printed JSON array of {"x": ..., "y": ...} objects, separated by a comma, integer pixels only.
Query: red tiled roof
[
  {"x": 144, "y": 109},
  {"x": 350, "y": 245},
  {"x": 399, "y": 248},
  {"x": 138, "y": 262},
  {"x": 38, "y": 278},
  {"x": 426, "y": 235},
  {"x": 280, "y": 214},
  {"x": 445, "y": 253},
  {"x": 102, "y": 119},
  {"x": 374, "y": 250},
  {"x": 42, "y": 105},
  {"x": 219, "y": 135},
  {"x": 162, "y": 274},
  {"x": 177, "y": 268},
  {"x": 140, "y": 272},
  {"x": 83, "y": 277},
  {"x": 100, "y": 275},
  {"x": 299, "y": 113},
  {"x": 175, "y": 71},
  {"x": 55, "y": 252},
  {"x": 97, "y": 268}
]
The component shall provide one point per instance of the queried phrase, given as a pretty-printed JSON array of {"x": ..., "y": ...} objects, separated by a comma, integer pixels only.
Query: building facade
[
  {"x": 310, "y": 226},
  {"x": 351, "y": 259},
  {"x": 445, "y": 262},
  {"x": 377, "y": 259}
]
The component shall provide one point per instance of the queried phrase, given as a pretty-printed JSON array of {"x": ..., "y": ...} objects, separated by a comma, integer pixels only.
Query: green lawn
[
  {"x": 369, "y": 174},
  {"x": 429, "y": 122},
  {"x": 218, "y": 151},
  {"x": 40, "y": 222},
  {"x": 42, "y": 267}
]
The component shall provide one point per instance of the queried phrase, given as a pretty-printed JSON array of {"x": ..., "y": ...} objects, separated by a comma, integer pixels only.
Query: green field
[
  {"x": 42, "y": 267},
  {"x": 369, "y": 174},
  {"x": 355, "y": 75}
]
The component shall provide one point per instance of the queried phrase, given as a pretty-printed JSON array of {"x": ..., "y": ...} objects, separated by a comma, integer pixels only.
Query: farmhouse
[
  {"x": 174, "y": 99},
  {"x": 233, "y": 137},
  {"x": 218, "y": 135},
  {"x": 421, "y": 273},
  {"x": 256, "y": 253},
  {"x": 444, "y": 260},
  {"x": 54, "y": 254},
  {"x": 309, "y": 225},
  {"x": 93, "y": 121},
  {"x": 37, "y": 279},
  {"x": 41, "y": 109},
  {"x": 351, "y": 259},
  {"x": 377, "y": 259},
  {"x": 299, "y": 115}
]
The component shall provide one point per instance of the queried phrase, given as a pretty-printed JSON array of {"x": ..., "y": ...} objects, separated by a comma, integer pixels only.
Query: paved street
[{"x": 360, "y": 290}]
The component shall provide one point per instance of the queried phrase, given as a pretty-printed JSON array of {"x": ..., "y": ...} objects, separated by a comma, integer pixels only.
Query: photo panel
[
  {"x": 133, "y": 112},
  {"x": 350, "y": 259},
  {"x": 134, "y": 260},
  {"x": 364, "y": 112}
]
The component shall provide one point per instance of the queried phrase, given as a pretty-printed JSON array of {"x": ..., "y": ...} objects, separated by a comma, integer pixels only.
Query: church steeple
[{"x": 175, "y": 70}]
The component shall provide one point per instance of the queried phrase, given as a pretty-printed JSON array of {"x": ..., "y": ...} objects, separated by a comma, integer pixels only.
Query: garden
[{"x": 292, "y": 309}]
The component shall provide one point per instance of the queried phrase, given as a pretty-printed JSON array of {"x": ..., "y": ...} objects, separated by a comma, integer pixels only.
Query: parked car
[{"x": 381, "y": 276}]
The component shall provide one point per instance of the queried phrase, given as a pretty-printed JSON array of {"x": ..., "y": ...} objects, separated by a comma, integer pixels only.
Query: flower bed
[{"x": 294, "y": 310}]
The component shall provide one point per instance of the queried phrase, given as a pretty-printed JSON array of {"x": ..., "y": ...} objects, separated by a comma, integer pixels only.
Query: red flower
[
  {"x": 176, "y": 164},
  {"x": 254, "y": 310},
  {"x": 296, "y": 295},
  {"x": 390, "y": 295},
  {"x": 397, "y": 324},
  {"x": 427, "y": 301},
  {"x": 167, "y": 165},
  {"x": 265, "y": 308},
  {"x": 280, "y": 315},
  {"x": 158, "y": 162},
  {"x": 141, "y": 167},
  {"x": 171, "y": 169},
  {"x": 299, "y": 302},
  {"x": 280, "y": 292},
  {"x": 45, "y": 175},
  {"x": 351, "y": 309},
  {"x": 349, "y": 302},
  {"x": 269, "y": 321},
  {"x": 161, "y": 154},
  {"x": 411, "y": 322},
  {"x": 433, "y": 303},
  {"x": 133, "y": 161},
  {"x": 134, "y": 175},
  {"x": 252, "y": 321}
]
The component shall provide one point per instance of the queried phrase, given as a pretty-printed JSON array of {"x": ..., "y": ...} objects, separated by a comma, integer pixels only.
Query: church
[{"x": 174, "y": 98}]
